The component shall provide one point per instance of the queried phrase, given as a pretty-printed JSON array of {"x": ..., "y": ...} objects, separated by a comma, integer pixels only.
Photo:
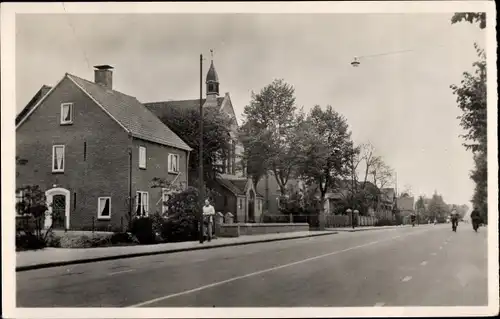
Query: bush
[
  {"x": 182, "y": 224},
  {"x": 157, "y": 221},
  {"x": 52, "y": 240},
  {"x": 142, "y": 228},
  {"x": 71, "y": 241},
  {"x": 123, "y": 238},
  {"x": 29, "y": 242}
]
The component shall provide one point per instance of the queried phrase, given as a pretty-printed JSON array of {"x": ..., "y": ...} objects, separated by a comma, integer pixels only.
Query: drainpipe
[{"x": 130, "y": 187}]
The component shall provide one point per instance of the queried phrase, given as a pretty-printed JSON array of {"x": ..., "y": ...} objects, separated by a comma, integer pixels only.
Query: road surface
[{"x": 421, "y": 266}]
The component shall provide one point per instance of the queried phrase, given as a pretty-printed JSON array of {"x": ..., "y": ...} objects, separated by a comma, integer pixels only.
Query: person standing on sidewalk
[{"x": 208, "y": 214}]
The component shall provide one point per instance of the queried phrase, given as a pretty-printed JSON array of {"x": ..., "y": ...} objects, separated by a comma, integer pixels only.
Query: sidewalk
[
  {"x": 365, "y": 228},
  {"x": 54, "y": 257}
]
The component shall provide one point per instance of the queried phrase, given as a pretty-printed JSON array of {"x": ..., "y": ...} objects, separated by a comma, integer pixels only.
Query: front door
[
  {"x": 58, "y": 211},
  {"x": 57, "y": 215}
]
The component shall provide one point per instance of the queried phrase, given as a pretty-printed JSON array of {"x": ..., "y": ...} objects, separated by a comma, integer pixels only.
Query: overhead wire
[{"x": 398, "y": 52}]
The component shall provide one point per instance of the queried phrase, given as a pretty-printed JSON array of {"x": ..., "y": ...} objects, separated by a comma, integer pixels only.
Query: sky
[{"x": 400, "y": 103}]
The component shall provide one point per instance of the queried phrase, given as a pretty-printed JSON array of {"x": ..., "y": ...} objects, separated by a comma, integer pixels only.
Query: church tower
[{"x": 212, "y": 85}]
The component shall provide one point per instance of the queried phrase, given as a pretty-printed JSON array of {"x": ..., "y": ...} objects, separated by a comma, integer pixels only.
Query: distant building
[{"x": 406, "y": 205}]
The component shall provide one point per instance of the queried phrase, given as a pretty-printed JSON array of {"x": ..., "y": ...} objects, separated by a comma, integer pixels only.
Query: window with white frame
[
  {"x": 165, "y": 196},
  {"x": 104, "y": 208},
  {"x": 58, "y": 158},
  {"x": 142, "y": 204},
  {"x": 67, "y": 113},
  {"x": 173, "y": 163},
  {"x": 142, "y": 157}
]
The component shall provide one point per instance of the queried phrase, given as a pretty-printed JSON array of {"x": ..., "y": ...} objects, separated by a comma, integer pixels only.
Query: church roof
[
  {"x": 212, "y": 74},
  {"x": 158, "y": 108}
]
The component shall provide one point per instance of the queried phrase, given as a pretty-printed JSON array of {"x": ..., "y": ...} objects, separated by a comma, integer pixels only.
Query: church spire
[{"x": 212, "y": 79}]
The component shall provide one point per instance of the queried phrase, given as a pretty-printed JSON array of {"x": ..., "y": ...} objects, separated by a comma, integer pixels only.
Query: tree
[
  {"x": 420, "y": 207},
  {"x": 382, "y": 174},
  {"x": 326, "y": 151},
  {"x": 471, "y": 17},
  {"x": 472, "y": 100},
  {"x": 268, "y": 133},
  {"x": 185, "y": 122},
  {"x": 438, "y": 208},
  {"x": 367, "y": 154}
]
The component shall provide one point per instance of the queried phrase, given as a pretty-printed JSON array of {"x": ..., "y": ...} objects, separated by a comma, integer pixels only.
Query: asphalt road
[{"x": 421, "y": 266}]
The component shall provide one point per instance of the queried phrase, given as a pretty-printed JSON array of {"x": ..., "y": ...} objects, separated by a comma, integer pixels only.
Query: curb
[{"x": 152, "y": 253}]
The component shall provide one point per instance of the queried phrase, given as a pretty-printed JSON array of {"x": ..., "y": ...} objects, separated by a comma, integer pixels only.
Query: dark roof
[
  {"x": 158, "y": 107},
  {"x": 131, "y": 114},
  {"x": 40, "y": 94},
  {"x": 212, "y": 74},
  {"x": 236, "y": 185}
]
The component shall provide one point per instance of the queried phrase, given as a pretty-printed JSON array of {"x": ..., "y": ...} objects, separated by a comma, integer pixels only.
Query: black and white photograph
[{"x": 223, "y": 159}]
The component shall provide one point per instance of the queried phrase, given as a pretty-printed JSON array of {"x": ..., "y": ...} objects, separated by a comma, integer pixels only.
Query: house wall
[
  {"x": 104, "y": 171},
  {"x": 156, "y": 166}
]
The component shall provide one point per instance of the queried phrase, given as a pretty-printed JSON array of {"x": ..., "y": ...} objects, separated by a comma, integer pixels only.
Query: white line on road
[
  {"x": 379, "y": 304},
  {"x": 423, "y": 263},
  {"x": 433, "y": 254},
  {"x": 120, "y": 272},
  {"x": 215, "y": 284},
  {"x": 407, "y": 278}
]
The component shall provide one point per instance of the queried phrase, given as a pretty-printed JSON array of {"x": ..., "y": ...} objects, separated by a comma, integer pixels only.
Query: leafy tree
[
  {"x": 437, "y": 207},
  {"x": 182, "y": 222},
  {"x": 420, "y": 206},
  {"x": 480, "y": 177},
  {"x": 185, "y": 122},
  {"x": 268, "y": 133},
  {"x": 326, "y": 152},
  {"x": 471, "y": 17},
  {"x": 472, "y": 100}
]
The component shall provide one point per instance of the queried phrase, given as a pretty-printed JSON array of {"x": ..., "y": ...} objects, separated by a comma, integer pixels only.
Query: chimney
[{"x": 103, "y": 75}]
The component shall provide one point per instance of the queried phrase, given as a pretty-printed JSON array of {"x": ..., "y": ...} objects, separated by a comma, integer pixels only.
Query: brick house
[
  {"x": 237, "y": 193},
  {"x": 94, "y": 151}
]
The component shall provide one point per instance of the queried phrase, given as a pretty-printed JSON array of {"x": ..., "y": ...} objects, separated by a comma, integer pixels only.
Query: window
[
  {"x": 165, "y": 196},
  {"x": 142, "y": 204},
  {"x": 58, "y": 158},
  {"x": 241, "y": 204},
  {"x": 142, "y": 157},
  {"x": 104, "y": 208},
  {"x": 173, "y": 163},
  {"x": 67, "y": 113}
]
